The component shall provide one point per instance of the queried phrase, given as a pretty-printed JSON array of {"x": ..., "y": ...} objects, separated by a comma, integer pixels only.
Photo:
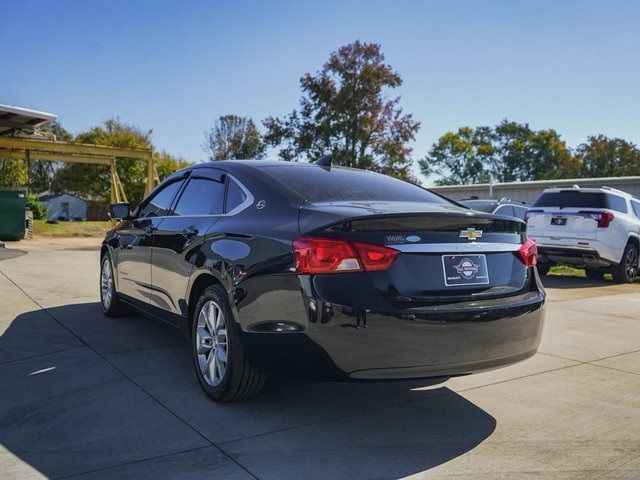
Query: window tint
[
  {"x": 617, "y": 203},
  {"x": 160, "y": 203},
  {"x": 235, "y": 196},
  {"x": 316, "y": 184},
  {"x": 636, "y": 208},
  {"x": 578, "y": 199},
  {"x": 201, "y": 197},
  {"x": 505, "y": 210},
  {"x": 520, "y": 212},
  {"x": 480, "y": 205}
]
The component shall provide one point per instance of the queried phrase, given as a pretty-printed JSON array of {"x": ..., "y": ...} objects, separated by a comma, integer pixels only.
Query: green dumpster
[{"x": 13, "y": 207}]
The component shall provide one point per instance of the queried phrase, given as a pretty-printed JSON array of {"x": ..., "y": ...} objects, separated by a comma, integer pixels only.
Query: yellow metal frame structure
[{"x": 48, "y": 150}]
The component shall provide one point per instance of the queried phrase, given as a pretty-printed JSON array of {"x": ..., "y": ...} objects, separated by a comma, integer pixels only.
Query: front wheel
[
  {"x": 627, "y": 270},
  {"x": 221, "y": 365}
]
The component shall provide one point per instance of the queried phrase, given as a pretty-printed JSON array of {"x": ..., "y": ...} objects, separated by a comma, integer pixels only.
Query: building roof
[
  {"x": 16, "y": 118},
  {"x": 51, "y": 196}
]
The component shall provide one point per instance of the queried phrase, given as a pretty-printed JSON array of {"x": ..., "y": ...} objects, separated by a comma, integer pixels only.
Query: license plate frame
[
  {"x": 461, "y": 270},
  {"x": 558, "y": 221}
]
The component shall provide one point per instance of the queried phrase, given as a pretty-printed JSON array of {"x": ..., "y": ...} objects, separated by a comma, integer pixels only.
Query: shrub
[{"x": 36, "y": 206}]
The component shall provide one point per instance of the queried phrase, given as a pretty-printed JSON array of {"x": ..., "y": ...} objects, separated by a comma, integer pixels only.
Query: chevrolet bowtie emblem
[{"x": 470, "y": 234}]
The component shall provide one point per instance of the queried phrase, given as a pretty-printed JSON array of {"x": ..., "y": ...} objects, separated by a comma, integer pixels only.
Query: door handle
[{"x": 190, "y": 232}]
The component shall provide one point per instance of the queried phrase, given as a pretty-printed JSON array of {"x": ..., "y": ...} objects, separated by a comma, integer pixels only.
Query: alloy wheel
[
  {"x": 106, "y": 284},
  {"x": 211, "y": 343},
  {"x": 631, "y": 263}
]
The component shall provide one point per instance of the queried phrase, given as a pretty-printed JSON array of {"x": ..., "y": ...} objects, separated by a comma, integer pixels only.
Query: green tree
[
  {"x": 608, "y": 157},
  {"x": 508, "y": 152},
  {"x": 42, "y": 173},
  {"x": 233, "y": 137},
  {"x": 344, "y": 111},
  {"x": 458, "y": 158},
  {"x": 13, "y": 173},
  {"x": 93, "y": 181}
]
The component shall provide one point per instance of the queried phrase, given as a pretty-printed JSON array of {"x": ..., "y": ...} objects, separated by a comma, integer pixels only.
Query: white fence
[{"x": 528, "y": 191}]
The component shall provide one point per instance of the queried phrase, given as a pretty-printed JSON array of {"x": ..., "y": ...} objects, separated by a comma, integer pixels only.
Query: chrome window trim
[{"x": 455, "y": 247}]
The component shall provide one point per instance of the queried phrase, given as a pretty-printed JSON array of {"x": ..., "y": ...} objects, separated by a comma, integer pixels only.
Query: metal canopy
[{"x": 16, "y": 118}]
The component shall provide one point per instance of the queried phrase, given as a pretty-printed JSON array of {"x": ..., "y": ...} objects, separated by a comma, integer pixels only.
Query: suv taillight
[
  {"x": 603, "y": 218},
  {"x": 529, "y": 212},
  {"x": 313, "y": 255},
  {"x": 528, "y": 253}
]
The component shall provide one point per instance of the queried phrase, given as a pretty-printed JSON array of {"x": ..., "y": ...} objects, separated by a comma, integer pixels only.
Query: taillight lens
[
  {"x": 313, "y": 255},
  {"x": 529, "y": 212},
  {"x": 528, "y": 253},
  {"x": 603, "y": 218}
]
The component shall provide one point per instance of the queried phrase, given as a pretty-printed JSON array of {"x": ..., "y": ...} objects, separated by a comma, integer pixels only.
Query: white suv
[{"x": 597, "y": 229}]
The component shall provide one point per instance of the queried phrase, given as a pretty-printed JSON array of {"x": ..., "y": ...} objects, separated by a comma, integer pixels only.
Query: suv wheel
[
  {"x": 627, "y": 270},
  {"x": 112, "y": 306},
  {"x": 221, "y": 365},
  {"x": 594, "y": 274}
]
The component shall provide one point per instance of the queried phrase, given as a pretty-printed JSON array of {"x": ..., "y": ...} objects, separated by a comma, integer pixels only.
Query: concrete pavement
[{"x": 85, "y": 396}]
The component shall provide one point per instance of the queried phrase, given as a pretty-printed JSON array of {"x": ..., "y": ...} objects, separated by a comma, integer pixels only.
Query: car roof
[{"x": 576, "y": 188}]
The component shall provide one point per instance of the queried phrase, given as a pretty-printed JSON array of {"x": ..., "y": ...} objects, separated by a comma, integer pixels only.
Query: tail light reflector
[
  {"x": 603, "y": 218},
  {"x": 313, "y": 255},
  {"x": 528, "y": 253}
]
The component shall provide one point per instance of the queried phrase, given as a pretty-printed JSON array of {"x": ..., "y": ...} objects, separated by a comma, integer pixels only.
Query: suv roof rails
[
  {"x": 512, "y": 200},
  {"x": 604, "y": 187}
]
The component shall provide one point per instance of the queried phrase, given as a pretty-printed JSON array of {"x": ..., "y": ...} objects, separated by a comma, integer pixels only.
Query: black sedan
[{"x": 324, "y": 273}]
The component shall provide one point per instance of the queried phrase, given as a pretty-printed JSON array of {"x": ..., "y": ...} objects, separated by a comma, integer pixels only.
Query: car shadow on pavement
[
  {"x": 568, "y": 282},
  {"x": 82, "y": 394}
]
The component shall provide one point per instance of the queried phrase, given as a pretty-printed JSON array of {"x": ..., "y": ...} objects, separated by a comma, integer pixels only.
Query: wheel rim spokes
[
  {"x": 106, "y": 284},
  {"x": 211, "y": 343},
  {"x": 632, "y": 264}
]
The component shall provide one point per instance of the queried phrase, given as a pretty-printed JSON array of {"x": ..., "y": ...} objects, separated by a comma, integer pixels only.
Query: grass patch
[
  {"x": 70, "y": 229},
  {"x": 569, "y": 271}
]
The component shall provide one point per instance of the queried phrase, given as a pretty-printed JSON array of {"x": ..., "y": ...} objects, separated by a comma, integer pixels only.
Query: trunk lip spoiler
[{"x": 456, "y": 247}]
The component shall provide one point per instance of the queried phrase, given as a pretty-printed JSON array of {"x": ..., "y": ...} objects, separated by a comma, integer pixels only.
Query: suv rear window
[
  {"x": 317, "y": 185},
  {"x": 577, "y": 199}
]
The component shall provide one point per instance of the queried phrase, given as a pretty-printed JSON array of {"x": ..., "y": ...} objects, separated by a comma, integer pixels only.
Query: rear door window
[
  {"x": 505, "y": 210},
  {"x": 520, "y": 212},
  {"x": 636, "y": 207},
  {"x": 201, "y": 196}
]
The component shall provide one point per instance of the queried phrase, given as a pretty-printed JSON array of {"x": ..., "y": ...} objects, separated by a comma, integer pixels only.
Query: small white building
[{"x": 63, "y": 206}]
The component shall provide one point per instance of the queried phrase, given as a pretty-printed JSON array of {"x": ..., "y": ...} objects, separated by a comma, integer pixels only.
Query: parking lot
[{"x": 85, "y": 396}]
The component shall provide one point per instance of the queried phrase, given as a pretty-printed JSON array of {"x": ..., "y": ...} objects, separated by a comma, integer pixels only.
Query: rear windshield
[
  {"x": 318, "y": 185},
  {"x": 577, "y": 199},
  {"x": 480, "y": 205}
]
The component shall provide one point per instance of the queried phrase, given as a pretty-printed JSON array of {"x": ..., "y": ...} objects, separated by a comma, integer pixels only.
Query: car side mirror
[{"x": 119, "y": 211}]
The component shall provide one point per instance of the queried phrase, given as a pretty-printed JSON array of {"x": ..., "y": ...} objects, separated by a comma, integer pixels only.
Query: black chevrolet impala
[{"x": 324, "y": 273}]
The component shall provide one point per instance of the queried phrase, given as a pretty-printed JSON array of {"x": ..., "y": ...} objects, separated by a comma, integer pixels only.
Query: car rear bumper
[
  {"x": 572, "y": 255},
  {"x": 339, "y": 342}
]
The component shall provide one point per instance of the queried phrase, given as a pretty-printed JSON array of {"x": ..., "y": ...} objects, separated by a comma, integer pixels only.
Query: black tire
[
  {"x": 627, "y": 270},
  {"x": 112, "y": 306},
  {"x": 239, "y": 380},
  {"x": 594, "y": 274},
  {"x": 543, "y": 268}
]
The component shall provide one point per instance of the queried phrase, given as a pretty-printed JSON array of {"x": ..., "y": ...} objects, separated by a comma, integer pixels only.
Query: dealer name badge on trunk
[{"x": 465, "y": 270}]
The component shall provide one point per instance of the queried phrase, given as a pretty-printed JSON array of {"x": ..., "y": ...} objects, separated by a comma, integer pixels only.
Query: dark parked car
[
  {"x": 323, "y": 273},
  {"x": 504, "y": 206}
]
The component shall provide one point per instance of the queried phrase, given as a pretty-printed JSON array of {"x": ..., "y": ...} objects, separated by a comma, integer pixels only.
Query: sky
[{"x": 174, "y": 67}]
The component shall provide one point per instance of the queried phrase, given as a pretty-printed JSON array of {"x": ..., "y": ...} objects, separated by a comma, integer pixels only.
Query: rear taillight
[
  {"x": 603, "y": 218},
  {"x": 529, "y": 212},
  {"x": 313, "y": 255},
  {"x": 528, "y": 253}
]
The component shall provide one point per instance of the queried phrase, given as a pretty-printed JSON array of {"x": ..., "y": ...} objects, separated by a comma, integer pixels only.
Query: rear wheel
[
  {"x": 221, "y": 365},
  {"x": 112, "y": 306},
  {"x": 593, "y": 274},
  {"x": 543, "y": 268},
  {"x": 627, "y": 270}
]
